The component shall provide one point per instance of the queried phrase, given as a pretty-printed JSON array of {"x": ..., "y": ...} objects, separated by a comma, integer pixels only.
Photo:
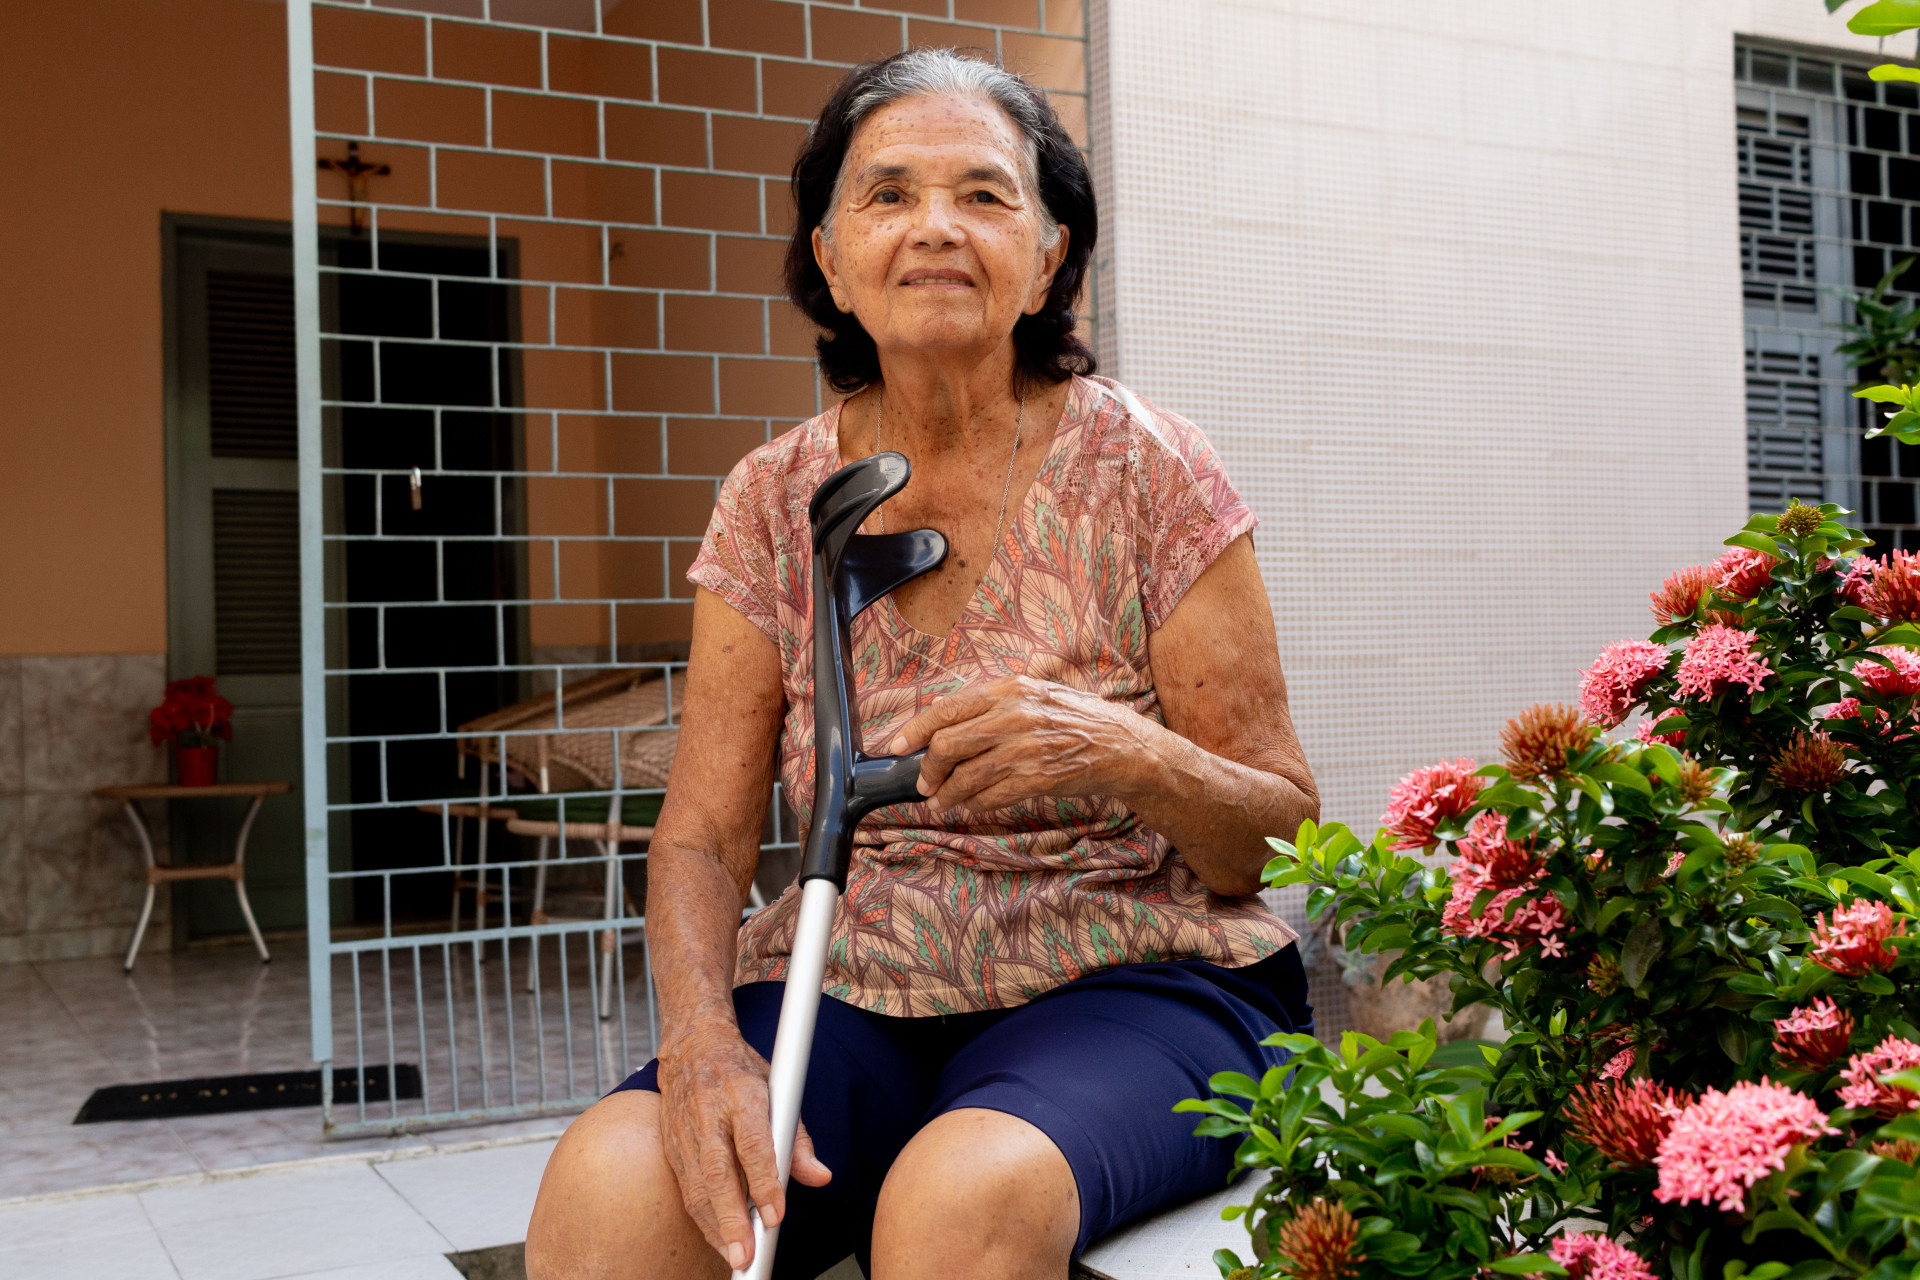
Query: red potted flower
[{"x": 191, "y": 717}]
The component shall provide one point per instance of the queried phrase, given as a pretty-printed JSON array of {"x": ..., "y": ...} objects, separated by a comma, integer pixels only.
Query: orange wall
[{"x": 114, "y": 110}]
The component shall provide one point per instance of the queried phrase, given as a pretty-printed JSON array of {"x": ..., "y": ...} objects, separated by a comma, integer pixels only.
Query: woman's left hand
[{"x": 1016, "y": 738}]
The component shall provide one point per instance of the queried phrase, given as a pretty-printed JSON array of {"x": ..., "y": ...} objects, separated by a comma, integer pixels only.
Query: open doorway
[{"x": 427, "y": 652}]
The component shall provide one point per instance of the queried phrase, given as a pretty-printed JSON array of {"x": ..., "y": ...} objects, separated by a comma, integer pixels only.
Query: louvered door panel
[
  {"x": 251, "y": 407},
  {"x": 256, "y": 581}
]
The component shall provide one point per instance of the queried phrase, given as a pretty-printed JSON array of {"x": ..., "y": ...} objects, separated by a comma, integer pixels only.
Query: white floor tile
[
  {"x": 423, "y": 1268},
  {"x": 269, "y": 1245},
  {"x": 28, "y": 1225},
  {"x": 337, "y": 1191},
  {"x": 131, "y": 1255},
  {"x": 475, "y": 1198}
]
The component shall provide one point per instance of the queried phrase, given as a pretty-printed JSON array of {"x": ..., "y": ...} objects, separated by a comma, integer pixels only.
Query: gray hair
[{"x": 947, "y": 73}]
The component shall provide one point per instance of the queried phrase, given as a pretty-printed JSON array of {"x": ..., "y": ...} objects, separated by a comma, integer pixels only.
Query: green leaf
[
  {"x": 1527, "y": 1264},
  {"x": 1623, "y": 775},
  {"x": 1235, "y": 1084},
  {"x": 1756, "y": 542},
  {"x": 1733, "y": 1042},
  {"x": 1886, "y": 394},
  {"x": 1813, "y": 1270},
  {"x": 1893, "y": 71},
  {"x": 1643, "y": 946},
  {"x": 1612, "y": 911}
]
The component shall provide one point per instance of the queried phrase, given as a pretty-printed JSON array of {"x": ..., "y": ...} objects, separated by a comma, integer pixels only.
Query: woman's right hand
[{"x": 719, "y": 1133}]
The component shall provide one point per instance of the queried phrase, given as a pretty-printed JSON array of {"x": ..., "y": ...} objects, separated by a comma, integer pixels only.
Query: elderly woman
[{"x": 1031, "y": 966}]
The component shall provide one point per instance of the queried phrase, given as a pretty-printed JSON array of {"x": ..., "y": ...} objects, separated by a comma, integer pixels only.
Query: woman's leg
[
  {"x": 977, "y": 1193},
  {"x": 609, "y": 1206},
  {"x": 1055, "y": 1125}
]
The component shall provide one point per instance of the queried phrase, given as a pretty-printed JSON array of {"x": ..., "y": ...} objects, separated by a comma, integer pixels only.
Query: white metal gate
[{"x": 475, "y": 857}]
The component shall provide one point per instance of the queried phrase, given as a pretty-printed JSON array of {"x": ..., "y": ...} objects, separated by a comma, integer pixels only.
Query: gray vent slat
[
  {"x": 256, "y": 581},
  {"x": 251, "y": 400}
]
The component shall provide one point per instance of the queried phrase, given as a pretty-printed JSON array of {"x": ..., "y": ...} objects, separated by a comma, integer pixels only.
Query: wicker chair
[
  {"x": 566, "y": 741},
  {"x": 572, "y": 740}
]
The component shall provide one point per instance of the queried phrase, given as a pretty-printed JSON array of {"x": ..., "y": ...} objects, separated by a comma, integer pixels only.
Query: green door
[{"x": 233, "y": 556}]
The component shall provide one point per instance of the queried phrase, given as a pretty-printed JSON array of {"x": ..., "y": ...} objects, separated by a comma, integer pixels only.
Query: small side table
[{"x": 157, "y": 874}]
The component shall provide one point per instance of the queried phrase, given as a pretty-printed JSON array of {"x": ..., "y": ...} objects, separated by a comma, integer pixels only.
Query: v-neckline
[{"x": 944, "y": 644}]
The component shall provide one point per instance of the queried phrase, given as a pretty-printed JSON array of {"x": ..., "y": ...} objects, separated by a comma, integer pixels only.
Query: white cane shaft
[{"x": 793, "y": 1046}]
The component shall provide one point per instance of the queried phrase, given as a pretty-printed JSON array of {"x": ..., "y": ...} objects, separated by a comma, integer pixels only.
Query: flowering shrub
[
  {"x": 192, "y": 714},
  {"x": 1697, "y": 934}
]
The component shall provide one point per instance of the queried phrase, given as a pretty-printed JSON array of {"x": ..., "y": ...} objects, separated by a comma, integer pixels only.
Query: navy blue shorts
[{"x": 1096, "y": 1065}]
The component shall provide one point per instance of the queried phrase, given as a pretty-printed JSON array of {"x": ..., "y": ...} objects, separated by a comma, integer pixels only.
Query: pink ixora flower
[
  {"x": 1856, "y": 578},
  {"x": 1724, "y": 1143},
  {"x": 1427, "y": 797},
  {"x": 1741, "y": 573},
  {"x": 1617, "y": 681},
  {"x": 1845, "y": 709},
  {"x": 1647, "y": 735},
  {"x": 1855, "y": 941},
  {"x": 1624, "y": 1122},
  {"x": 1489, "y": 862},
  {"x": 1717, "y": 658},
  {"x": 1589, "y": 1256},
  {"x": 1864, "y": 1088},
  {"x": 1888, "y": 588},
  {"x": 1812, "y": 1038},
  {"x": 1618, "y": 1066},
  {"x": 1901, "y": 680},
  {"x": 1680, "y": 594}
]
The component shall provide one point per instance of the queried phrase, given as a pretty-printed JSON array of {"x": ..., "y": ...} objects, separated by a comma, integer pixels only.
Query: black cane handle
[
  {"x": 879, "y": 781},
  {"x": 852, "y": 570}
]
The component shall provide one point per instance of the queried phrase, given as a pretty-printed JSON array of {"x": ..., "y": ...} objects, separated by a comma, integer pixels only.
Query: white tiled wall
[{"x": 1454, "y": 287}]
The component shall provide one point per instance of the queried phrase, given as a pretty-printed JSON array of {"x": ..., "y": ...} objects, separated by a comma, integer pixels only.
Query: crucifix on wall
[{"x": 357, "y": 172}]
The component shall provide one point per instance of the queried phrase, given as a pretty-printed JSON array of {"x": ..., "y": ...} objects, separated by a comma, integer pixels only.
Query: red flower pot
[{"x": 196, "y": 766}]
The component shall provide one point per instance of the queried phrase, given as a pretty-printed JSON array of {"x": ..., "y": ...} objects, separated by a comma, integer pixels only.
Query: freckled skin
[{"x": 938, "y": 248}]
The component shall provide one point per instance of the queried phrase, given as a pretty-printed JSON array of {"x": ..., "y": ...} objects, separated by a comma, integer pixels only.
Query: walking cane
[{"x": 851, "y": 570}]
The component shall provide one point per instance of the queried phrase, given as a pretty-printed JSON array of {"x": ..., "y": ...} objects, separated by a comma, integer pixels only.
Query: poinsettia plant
[
  {"x": 192, "y": 714},
  {"x": 1699, "y": 936}
]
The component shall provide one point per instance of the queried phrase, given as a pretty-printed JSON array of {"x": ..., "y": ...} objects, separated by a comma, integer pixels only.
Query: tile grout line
[
  {"x": 417, "y": 1211},
  {"x": 158, "y": 1239},
  {"x": 281, "y": 1166}
]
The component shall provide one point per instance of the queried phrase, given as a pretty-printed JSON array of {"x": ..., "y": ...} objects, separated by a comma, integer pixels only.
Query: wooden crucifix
[{"x": 357, "y": 172}]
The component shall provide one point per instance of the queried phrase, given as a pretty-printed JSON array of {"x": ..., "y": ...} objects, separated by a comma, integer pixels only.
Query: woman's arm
[
  {"x": 705, "y": 847},
  {"x": 1223, "y": 774}
]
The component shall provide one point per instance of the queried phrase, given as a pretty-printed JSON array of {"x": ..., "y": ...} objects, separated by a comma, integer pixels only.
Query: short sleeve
[
  {"x": 737, "y": 557},
  {"x": 1189, "y": 511}
]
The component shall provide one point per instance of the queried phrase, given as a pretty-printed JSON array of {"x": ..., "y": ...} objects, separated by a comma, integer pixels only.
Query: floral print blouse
[{"x": 948, "y": 912}]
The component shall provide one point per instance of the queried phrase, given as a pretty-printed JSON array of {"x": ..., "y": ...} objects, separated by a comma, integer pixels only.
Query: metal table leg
[
  {"x": 146, "y": 908},
  {"x": 239, "y": 878}
]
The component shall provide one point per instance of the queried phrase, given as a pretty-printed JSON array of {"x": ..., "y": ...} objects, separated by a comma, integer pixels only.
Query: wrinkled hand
[
  {"x": 1018, "y": 738},
  {"x": 717, "y": 1127}
]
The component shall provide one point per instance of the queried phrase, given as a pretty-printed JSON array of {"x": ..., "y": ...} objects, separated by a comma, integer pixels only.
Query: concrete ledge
[{"x": 1175, "y": 1245}]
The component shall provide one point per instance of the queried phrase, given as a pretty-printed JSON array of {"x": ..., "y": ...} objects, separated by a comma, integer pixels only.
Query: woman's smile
[{"x": 937, "y": 278}]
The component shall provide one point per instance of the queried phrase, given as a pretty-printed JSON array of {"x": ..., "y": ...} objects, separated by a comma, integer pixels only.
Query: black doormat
[{"x": 266, "y": 1091}]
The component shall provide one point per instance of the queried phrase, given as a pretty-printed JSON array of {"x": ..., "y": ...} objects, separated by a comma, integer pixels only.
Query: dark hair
[{"x": 1046, "y": 348}]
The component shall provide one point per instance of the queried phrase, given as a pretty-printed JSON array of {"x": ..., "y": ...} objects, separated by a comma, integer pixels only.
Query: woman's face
[{"x": 937, "y": 243}]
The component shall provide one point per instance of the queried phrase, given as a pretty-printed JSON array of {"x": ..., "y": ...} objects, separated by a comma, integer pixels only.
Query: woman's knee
[
  {"x": 980, "y": 1186},
  {"x": 609, "y": 1207}
]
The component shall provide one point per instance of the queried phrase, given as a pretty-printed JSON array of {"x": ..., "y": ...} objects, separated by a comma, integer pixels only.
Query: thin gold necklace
[{"x": 879, "y": 446}]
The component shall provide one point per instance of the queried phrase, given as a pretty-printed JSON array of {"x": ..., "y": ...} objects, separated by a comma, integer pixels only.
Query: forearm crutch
[{"x": 851, "y": 570}]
